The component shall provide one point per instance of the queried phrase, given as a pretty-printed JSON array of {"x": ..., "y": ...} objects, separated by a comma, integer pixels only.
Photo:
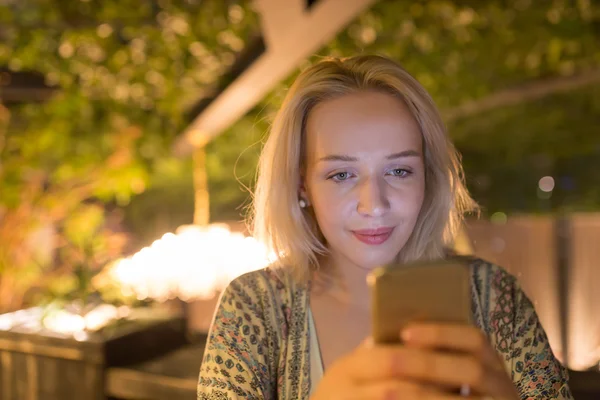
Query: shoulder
[
  {"x": 496, "y": 294},
  {"x": 262, "y": 279},
  {"x": 488, "y": 276},
  {"x": 267, "y": 279},
  {"x": 264, "y": 288},
  {"x": 494, "y": 283},
  {"x": 500, "y": 305},
  {"x": 242, "y": 350},
  {"x": 251, "y": 288}
]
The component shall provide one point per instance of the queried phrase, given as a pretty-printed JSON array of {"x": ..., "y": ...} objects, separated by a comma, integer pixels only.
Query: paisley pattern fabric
[{"x": 259, "y": 341}]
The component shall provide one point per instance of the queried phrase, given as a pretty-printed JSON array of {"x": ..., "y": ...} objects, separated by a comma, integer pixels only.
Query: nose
[{"x": 372, "y": 199}]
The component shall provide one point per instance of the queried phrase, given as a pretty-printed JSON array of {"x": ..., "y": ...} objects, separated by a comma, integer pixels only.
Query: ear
[{"x": 302, "y": 192}]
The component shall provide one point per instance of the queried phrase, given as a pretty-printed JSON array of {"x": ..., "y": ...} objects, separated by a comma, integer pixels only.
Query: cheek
[
  {"x": 330, "y": 208},
  {"x": 409, "y": 200}
]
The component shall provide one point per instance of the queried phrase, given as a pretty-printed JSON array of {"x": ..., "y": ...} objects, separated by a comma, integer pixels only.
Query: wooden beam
[
  {"x": 25, "y": 95},
  {"x": 278, "y": 17},
  {"x": 521, "y": 94},
  {"x": 23, "y": 87},
  {"x": 287, "y": 45}
]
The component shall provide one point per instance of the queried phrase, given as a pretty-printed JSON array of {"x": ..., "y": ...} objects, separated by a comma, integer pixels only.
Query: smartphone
[{"x": 432, "y": 291}]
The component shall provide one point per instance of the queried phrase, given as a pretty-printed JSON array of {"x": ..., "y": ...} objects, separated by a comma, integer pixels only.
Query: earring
[{"x": 302, "y": 203}]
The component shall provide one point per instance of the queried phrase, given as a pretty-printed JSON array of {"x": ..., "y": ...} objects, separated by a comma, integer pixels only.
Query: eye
[
  {"x": 340, "y": 176},
  {"x": 399, "y": 172}
]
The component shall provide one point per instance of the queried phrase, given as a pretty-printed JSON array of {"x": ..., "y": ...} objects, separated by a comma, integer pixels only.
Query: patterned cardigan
[{"x": 259, "y": 344}]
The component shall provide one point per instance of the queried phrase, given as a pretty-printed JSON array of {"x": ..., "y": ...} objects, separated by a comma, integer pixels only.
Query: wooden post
[
  {"x": 563, "y": 258},
  {"x": 201, "y": 196}
]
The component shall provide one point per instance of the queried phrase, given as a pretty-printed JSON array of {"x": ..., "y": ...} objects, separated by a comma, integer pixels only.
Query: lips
[{"x": 373, "y": 236}]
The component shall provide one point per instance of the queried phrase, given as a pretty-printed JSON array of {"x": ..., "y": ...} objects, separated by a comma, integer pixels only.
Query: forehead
[{"x": 361, "y": 123}]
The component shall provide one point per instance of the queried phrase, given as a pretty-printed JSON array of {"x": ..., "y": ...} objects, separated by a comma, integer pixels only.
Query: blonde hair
[{"x": 291, "y": 231}]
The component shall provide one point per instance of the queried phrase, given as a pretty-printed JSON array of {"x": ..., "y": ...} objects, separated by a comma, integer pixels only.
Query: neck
[{"x": 344, "y": 282}]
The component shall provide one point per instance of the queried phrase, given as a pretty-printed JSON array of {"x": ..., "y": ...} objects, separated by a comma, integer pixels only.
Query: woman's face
[{"x": 364, "y": 176}]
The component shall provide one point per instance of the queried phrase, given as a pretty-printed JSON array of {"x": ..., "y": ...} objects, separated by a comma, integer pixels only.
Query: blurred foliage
[
  {"x": 507, "y": 151},
  {"x": 126, "y": 72},
  {"x": 462, "y": 51}
]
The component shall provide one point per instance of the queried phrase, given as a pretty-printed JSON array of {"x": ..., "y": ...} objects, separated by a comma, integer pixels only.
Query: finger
[
  {"x": 453, "y": 370},
  {"x": 380, "y": 363},
  {"x": 455, "y": 337},
  {"x": 398, "y": 390},
  {"x": 442, "y": 368},
  {"x": 368, "y": 363}
]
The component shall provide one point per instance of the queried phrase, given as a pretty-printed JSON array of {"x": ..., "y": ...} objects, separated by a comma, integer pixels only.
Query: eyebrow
[{"x": 394, "y": 156}]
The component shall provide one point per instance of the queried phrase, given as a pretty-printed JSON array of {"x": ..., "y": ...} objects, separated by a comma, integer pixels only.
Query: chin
[{"x": 374, "y": 262}]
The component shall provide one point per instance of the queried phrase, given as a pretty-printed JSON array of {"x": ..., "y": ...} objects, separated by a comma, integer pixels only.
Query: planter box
[
  {"x": 168, "y": 377},
  {"x": 45, "y": 366}
]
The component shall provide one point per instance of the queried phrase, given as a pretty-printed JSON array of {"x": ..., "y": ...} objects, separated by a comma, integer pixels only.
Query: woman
[{"x": 358, "y": 172}]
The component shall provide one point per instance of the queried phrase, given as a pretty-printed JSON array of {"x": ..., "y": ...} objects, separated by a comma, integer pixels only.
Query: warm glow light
[
  {"x": 28, "y": 319},
  {"x": 546, "y": 184},
  {"x": 100, "y": 317},
  {"x": 65, "y": 322},
  {"x": 62, "y": 321},
  {"x": 499, "y": 218},
  {"x": 196, "y": 262}
]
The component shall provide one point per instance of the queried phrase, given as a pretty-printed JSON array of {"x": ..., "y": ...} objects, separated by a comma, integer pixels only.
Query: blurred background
[{"x": 130, "y": 132}]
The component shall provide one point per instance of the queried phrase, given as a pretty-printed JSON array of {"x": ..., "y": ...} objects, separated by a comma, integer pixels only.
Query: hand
[
  {"x": 434, "y": 360},
  {"x": 456, "y": 355}
]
